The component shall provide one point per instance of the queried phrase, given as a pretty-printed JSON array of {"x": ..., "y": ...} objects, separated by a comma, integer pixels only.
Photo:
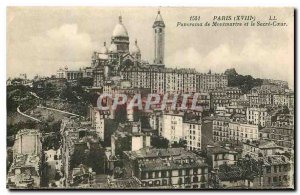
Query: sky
[{"x": 40, "y": 40}]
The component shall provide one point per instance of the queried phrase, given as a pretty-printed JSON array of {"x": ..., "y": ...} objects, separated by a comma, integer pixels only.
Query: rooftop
[
  {"x": 263, "y": 144},
  {"x": 270, "y": 129},
  {"x": 24, "y": 163},
  {"x": 29, "y": 132},
  {"x": 155, "y": 153},
  {"x": 124, "y": 183},
  {"x": 219, "y": 150},
  {"x": 160, "y": 164},
  {"x": 275, "y": 160},
  {"x": 229, "y": 173}
]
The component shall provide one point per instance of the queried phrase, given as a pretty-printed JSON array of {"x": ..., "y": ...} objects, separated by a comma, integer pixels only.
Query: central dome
[{"x": 120, "y": 30}]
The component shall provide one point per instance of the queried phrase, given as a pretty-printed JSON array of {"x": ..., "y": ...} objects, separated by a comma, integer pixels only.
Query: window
[
  {"x": 180, "y": 172},
  {"x": 157, "y": 182},
  {"x": 195, "y": 170},
  {"x": 179, "y": 181},
  {"x": 275, "y": 180},
  {"x": 187, "y": 171},
  {"x": 143, "y": 175},
  {"x": 150, "y": 183},
  {"x": 156, "y": 174},
  {"x": 202, "y": 179},
  {"x": 275, "y": 169},
  {"x": 187, "y": 180},
  {"x": 164, "y": 182},
  {"x": 150, "y": 175},
  {"x": 144, "y": 184},
  {"x": 195, "y": 179},
  {"x": 268, "y": 169}
]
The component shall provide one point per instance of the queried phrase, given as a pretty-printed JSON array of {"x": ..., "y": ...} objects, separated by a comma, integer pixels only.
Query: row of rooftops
[
  {"x": 26, "y": 160},
  {"x": 160, "y": 164},
  {"x": 240, "y": 118},
  {"x": 165, "y": 159},
  {"x": 275, "y": 160},
  {"x": 236, "y": 172},
  {"x": 269, "y": 129},
  {"x": 273, "y": 89},
  {"x": 262, "y": 144},
  {"x": 28, "y": 132},
  {"x": 27, "y": 164},
  {"x": 75, "y": 123},
  {"x": 147, "y": 67},
  {"x": 123, "y": 183},
  {"x": 148, "y": 153},
  {"x": 193, "y": 121},
  {"x": 131, "y": 128},
  {"x": 78, "y": 132}
]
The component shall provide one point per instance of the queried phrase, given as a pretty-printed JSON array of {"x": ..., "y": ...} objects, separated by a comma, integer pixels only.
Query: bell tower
[{"x": 159, "y": 39}]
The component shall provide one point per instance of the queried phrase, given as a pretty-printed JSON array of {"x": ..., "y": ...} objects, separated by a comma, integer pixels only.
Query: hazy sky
[{"x": 42, "y": 39}]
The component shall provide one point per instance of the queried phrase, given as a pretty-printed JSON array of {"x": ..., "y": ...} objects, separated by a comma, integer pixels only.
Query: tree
[
  {"x": 119, "y": 173},
  {"x": 121, "y": 113},
  {"x": 78, "y": 157},
  {"x": 110, "y": 126},
  {"x": 68, "y": 94},
  {"x": 285, "y": 110},
  {"x": 86, "y": 81},
  {"x": 12, "y": 129},
  {"x": 159, "y": 142},
  {"x": 57, "y": 176},
  {"x": 245, "y": 83},
  {"x": 95, "y": 157},
  {"x": 181, "y": 144},
  {"x": 123, "y": 144}
]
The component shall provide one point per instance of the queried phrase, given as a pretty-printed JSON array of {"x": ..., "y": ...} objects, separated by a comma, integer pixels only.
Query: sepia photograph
[{"x": 150, "y": 98}]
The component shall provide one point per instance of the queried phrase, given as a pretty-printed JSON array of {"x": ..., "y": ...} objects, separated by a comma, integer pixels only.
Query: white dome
[
  {"x": 104, "y": 49},
  {"x": 113, "y": 48},
  {"x": 120, "y": 30},
  {"x": 135, "y": 49},
  {"x": 103, "y": 56}
]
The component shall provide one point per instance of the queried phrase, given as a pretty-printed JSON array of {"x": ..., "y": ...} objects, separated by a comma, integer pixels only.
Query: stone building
[
  {"x": 281, "y": 135},
  {"x": 25, "y": 171},
  {"x": 172, "y": 167},
  {"x": 257, "y": 116}
]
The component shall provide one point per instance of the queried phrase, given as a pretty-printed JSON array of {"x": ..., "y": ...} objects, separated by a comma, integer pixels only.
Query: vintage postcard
[{"x": 150, "y": 98}]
